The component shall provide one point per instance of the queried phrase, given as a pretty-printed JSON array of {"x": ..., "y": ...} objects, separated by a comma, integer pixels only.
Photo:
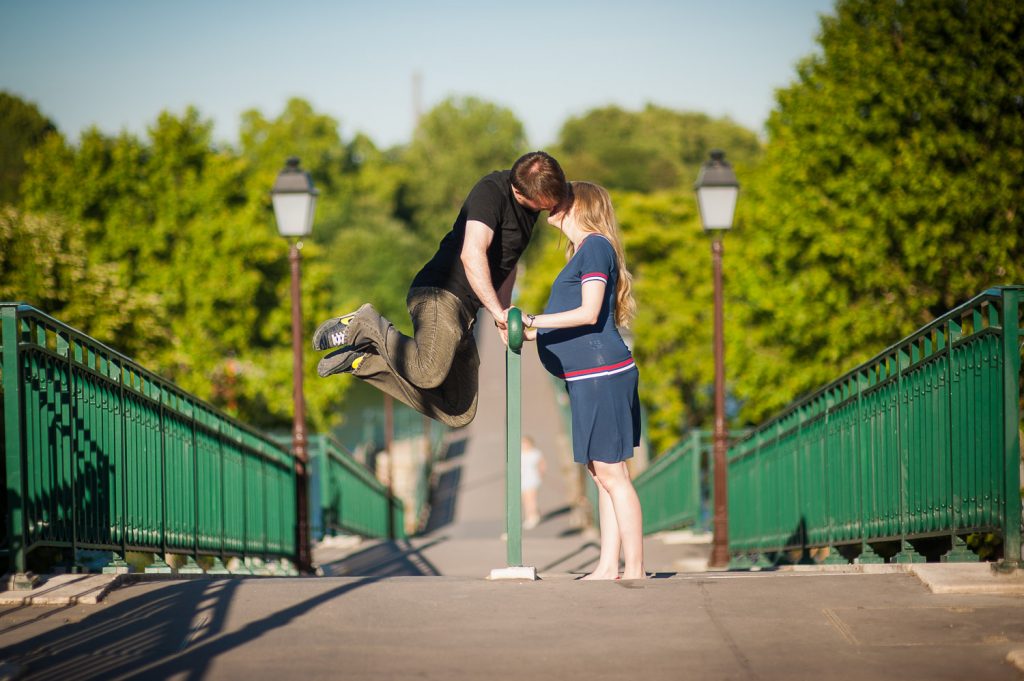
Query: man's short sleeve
[
  {"x": 597, "y": 260},
  {"x": 484, "y": 203}
]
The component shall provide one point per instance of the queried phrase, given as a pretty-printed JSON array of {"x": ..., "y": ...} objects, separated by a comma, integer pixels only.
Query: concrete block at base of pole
[
  {"x": 22, "y": 581},
  {"x": 518, "y": 572}
]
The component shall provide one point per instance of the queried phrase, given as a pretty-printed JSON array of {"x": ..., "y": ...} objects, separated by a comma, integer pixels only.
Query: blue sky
[{"x": 117, "y": 64}]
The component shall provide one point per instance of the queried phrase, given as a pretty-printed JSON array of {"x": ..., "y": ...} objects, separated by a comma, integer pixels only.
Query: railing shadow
[
  {"x": 443, "y": 498},
  {"x": 175, "y": 630},
  {"x": 575, "y": 553},
  {"x": 454, "y": 449},
  {"x": 398, "y": 558},
  {"x": 123, "y": 637}
]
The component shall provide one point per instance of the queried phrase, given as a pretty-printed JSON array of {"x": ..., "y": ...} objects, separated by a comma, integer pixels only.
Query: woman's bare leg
[
  {"x": 615, "y": 479},
  {"x": 608, "y": 563}
]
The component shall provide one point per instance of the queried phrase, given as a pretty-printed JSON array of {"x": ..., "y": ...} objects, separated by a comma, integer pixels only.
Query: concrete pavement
[{"x": 707, "y": 626}]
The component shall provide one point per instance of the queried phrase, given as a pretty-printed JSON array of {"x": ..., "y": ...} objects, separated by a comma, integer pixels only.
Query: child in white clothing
[{"x": 533, "y": 467}]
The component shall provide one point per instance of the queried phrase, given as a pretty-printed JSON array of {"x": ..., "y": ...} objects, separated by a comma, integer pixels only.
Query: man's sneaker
[
  {"x": 342, "y": 361},
  {"x": 331, "y": 334}
]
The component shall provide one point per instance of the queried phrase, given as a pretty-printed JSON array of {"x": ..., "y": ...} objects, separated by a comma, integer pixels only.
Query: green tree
[
  {"x": 890, "y": 191},
  {"x": 650, "y": 160},
  {"x": 44, "y": 263},
  {"x": 670, "y": 260},
  {"x": 376, "y": 254},
  {"x": 22, "y": 127},
  {"x": 454, "y": 145},
  {"x": 648, "y": 150},
  {"x": 190, "y": 227}
]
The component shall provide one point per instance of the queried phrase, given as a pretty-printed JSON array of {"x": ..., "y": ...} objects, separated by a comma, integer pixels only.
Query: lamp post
[
  {"x": 717, "y": 190},
  {"x": 294, "y": 199}
]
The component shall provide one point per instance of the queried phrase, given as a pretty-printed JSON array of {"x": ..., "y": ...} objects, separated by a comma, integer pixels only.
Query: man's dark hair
[{"x": 537, "y": 176}]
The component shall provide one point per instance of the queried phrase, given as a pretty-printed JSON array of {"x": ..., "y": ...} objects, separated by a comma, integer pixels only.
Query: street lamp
[
  {"x": 294, "y": 199},
  {"x": 717, "y": 190}
]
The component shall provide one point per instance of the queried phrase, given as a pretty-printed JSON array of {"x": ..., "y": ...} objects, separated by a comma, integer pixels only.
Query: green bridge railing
[
  {"x": 364, "y": 433},
  {"x": 670, "y": 489},
  {"x": 101, "y": 454},
  {"x": 675, "y": 490},
  {"x": 901, "y": 458},
  {"x": 347, "y": 497}
]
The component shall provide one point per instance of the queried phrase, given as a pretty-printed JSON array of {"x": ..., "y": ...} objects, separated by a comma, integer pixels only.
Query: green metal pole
[
  {"x": 1011, "y": 424},
  {"x": 19, "y": 577},
  {"x": 513, "y": 444}
]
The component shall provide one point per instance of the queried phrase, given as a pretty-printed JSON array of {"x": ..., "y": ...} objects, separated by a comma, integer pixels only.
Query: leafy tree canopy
[
  {"x": 44, "y": 262},
  {"x": 188, "y": 228},
  {"x": 649, "y": 150},
  {"x": 890, "y": 191},
  {"x": 22, "y": 127},
  {"x": 454, "y": 145}
]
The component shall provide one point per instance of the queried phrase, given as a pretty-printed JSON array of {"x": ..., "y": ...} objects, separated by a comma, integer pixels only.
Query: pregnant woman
[{"x": 578, "y": 340}]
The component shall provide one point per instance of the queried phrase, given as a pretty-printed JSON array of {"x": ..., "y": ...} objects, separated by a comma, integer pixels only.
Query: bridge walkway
[{"x": 421, "y": 610}]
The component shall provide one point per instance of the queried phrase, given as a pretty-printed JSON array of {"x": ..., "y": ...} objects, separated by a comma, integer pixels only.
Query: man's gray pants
[{"x": 436, "y": 371}]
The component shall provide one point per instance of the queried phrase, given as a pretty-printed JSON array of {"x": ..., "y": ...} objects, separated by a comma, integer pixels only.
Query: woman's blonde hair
[{"x": 593, "y": 212}]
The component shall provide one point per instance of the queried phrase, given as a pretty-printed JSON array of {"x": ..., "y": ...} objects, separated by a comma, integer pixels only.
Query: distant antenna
[{"x": 417, "y": 98}]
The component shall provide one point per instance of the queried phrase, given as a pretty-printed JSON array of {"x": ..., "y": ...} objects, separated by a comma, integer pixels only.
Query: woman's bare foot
[
  {"x": 638, "y": 575},
  {"x": 599, "y": 575}
]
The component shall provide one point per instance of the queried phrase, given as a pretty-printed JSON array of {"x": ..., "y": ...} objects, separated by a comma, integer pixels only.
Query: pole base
[
  {"x": 959, "y": 552},
  {"x": 191, "y": 567},
  {"x": 517, "y": 572},
  {"x": 22, "y": 581},
  {"x": 908, "y": 555},
  {"x": 116, "y": 566},
  {"x": 218, "y": 568}
]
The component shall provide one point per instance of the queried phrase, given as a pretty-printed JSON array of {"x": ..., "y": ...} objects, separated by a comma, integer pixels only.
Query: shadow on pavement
[
  {"x": 574, "y": 554},
  {"x": 386, "y": 559},
  {"x": 455, "y": 449},
  {"x": 444, "y": 495},
  {"x": 558, "y": 512},
  {"x": 45, "y": 614},
  {"x": 175, "y": 629}
]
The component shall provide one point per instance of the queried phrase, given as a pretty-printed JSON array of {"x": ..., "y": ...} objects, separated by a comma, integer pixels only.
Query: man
[{"x": 435, "y": 372}]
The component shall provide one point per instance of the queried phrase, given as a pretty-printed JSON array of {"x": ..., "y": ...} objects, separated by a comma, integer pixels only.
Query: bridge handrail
[
  {"x": 351, "y": 498},
  {"x": 989, "y": 295},
  {"x": 197, "y": 482},
  {"x": 675, "y": 489},
  {"x": 918, "y": 444},
  {"x": 670, "y": 488},
  {"x": 146, "y": 376}
]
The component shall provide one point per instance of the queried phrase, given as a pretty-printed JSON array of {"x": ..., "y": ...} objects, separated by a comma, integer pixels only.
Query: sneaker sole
[
  {"x": 322, "y": 337},
  {"x": 328, "y": 367}
]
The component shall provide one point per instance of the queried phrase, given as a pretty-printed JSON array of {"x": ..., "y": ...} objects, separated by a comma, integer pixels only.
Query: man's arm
[
  {"x": 478, "y": 271},
  {"x": 505, "y": 292}
]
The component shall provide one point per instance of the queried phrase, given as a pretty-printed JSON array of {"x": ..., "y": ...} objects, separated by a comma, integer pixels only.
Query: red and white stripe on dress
[
  {"x": 597, "y": 372},
  {"x": 594, "y": 276}
]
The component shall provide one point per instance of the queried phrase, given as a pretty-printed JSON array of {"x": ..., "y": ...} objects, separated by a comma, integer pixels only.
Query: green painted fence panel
[
  {"x": 920, "y": 442},
  {"x": 350, "y": 496},
  {"x": 669, "y": 490},
  {"x": 100, "y": 453},
  {"x": 675, "y": 490}
]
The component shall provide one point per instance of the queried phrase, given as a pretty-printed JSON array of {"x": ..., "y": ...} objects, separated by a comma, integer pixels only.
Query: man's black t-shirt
[{"x": 490, "y": 202}]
